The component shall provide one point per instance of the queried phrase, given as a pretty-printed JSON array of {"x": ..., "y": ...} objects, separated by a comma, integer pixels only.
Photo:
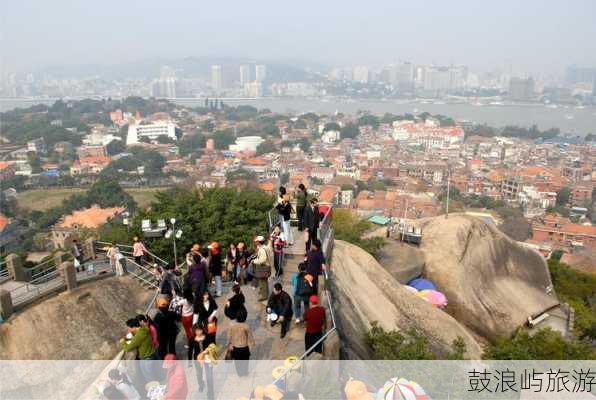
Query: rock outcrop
[
  {"x": 363, "y": 292},
  {"x": 492, "y": 282},
  {"x": 83, "y": 324}
]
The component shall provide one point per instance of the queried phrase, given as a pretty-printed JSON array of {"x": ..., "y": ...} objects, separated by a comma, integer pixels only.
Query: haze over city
[{"x": 529, "y": 36}]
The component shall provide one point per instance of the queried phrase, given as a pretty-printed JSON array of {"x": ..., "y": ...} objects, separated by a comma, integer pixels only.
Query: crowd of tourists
[{"x": 187, "y": 304}]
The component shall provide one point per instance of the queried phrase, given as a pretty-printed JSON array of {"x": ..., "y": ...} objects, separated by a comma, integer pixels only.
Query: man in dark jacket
[
  {"x": 280, "y": 303},
  {"x": 311, "y": 221},
  {"x": 167, "y": 328}
]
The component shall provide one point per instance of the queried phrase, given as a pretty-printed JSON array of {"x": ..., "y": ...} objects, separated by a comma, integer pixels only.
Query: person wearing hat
[
  {"x": 167, "y": 328},
  {"x": 279, "y": 308},
  {"x": 262, "y": 267},
  {"x": 314, "y": 324}
]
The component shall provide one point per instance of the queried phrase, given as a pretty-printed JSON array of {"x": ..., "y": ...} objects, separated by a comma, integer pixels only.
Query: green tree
[
  {"x": 223, "y": 139},
  {"x": 191, "y": 143},
  {"x": 351, "y": 228},
  {"x": 115, "y": 147},
  {"x": 369, "y": 119},
  {"x": 546, "y": 344},
  {"x": 332, "y": 126},
  {"x": 349, "y": 131},
  {"x": 266, "y": 147},
  {"x": 563, "y": 196},
  {"x": 221, "y": 214}
]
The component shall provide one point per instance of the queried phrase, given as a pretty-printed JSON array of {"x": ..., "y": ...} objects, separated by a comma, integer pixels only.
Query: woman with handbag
[
  {"x": 205, "y": 309},
  {"x": 240, "y": 340}
]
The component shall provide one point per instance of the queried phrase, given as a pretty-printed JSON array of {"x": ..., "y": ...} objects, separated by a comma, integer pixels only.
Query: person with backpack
[
  {"x": 167, "y": 327},
  {"x": 262, "y": 268},
  {"x": 303, "y": 288}
]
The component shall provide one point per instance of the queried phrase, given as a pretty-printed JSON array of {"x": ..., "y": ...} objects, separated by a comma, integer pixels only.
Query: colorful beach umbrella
[
  {"x": 401, "y": 389},
  {"x": 435, "y": 298},
  {"x": 422, "y": 284}
]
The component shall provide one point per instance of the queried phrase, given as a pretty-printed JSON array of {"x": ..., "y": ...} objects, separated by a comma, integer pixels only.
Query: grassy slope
[{"x": 43, "y": 199}]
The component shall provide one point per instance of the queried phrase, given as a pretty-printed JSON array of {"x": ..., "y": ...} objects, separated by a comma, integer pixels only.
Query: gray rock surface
[
  {"x": 363, "y": 292},
  {"x": 492, "y": 283}
]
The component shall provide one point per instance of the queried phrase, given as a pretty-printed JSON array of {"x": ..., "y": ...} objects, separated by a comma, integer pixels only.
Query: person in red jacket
[
  {"x": 176, "y": 388},
  {"x": 314, "y": 324}
]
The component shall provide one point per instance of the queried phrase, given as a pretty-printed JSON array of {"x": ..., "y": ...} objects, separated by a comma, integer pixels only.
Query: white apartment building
[{"x": 151, "y": 131}]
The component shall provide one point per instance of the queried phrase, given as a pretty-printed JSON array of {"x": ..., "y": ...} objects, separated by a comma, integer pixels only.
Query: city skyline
[{"x": 505, "y": 35}]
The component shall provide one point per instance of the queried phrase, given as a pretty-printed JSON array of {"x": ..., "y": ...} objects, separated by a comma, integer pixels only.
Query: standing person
[
  {"x": 198, "y": 346},
  {"x": 241, "y": 263},
  {"x": 141, "y": 342},
  {"x": 279, "y": 241},
  {"x": 315, "y": 263},
  {"x": 187, "y": 314},
  {"x": 205, "y": 309},
  {"x": 167, "y": 328},
  {"x": 280, "y": 199},
  {"x": 279, "y": 308},
  {"x": 285, "y": 212},
  {"x": 215, "y": 266},
  {"x": 303, "y": 288},
  {"x": 197, "y": 276},
  {"x": 195, "y": 252},
  {"x": 314, "y": 323},
  {"x": 122, "y": 382},
  {"x": 176, "y": 387},
  {"x": 234, "y": 303},
  {"x": 301, "y": 196},
  {"x": 76, "y": 253},
  {"x": 262, "y": 268},
  {"x": 144, "y": 320},
  {"x": 169, "y": 285},
  {"x": 112, "y": 254},
  {"x": 138, "y": 250},
  {"x": 240, "y": 341},
  {"x": 231, "y": 262},
  {"x": 312, "y": 220}
]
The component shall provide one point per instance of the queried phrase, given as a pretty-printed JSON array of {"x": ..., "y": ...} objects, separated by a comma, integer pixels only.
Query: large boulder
[
  {"x": 364, "y": 292},
  {"x": 84, "y": 324},
  {"x": 493, "y": 283}
]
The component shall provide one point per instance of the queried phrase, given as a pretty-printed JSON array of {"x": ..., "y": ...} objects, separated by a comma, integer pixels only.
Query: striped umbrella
[
  {"x": 411, "y": 289},
  {"x": 422, "y": 284},
  {"x": 401, "y": 389},
  {"x": 435, "y": 298}
]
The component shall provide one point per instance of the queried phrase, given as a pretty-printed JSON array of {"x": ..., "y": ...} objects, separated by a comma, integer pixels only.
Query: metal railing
[
  {"x": 130, "y": 253},
  {"x": 4, "y": 273},
  {"x": 36, "y": 287},
  {"x": 326, "y": 238}
]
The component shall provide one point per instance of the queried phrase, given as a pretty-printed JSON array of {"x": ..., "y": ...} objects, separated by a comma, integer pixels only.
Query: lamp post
[{"x": 174, "y": 234}]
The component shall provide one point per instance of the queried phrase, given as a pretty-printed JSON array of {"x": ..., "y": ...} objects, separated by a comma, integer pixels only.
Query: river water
[{"x": 573, "y": 120}]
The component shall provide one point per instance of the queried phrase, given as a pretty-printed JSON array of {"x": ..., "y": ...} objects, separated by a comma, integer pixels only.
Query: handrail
[
  {"x": 152, "y": 302},
  {"x": 332, "y": 329},
  {"x": 128, "y": 260},
  {"x": 164, "y": 262}
]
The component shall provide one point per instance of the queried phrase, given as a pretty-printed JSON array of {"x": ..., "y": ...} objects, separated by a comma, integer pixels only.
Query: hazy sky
[{"x": 525, "y": 34}]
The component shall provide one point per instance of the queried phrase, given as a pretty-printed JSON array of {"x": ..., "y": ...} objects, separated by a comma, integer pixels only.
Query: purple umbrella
[{"x": 422, "y": 284}]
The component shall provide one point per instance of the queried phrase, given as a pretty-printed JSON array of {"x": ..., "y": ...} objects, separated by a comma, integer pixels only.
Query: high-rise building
[
  {"x": 244, "y": 75},
  {"x": 216, "y": 77},
  {"x": 521, "y": 89},
  {"x": 575, "y": 74},
  {"x": 260, "y": 73},
  {"x": 361, "y": 74},
  {"x": 253, "y": 89},
  {"x": 166, "y": 85}
]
